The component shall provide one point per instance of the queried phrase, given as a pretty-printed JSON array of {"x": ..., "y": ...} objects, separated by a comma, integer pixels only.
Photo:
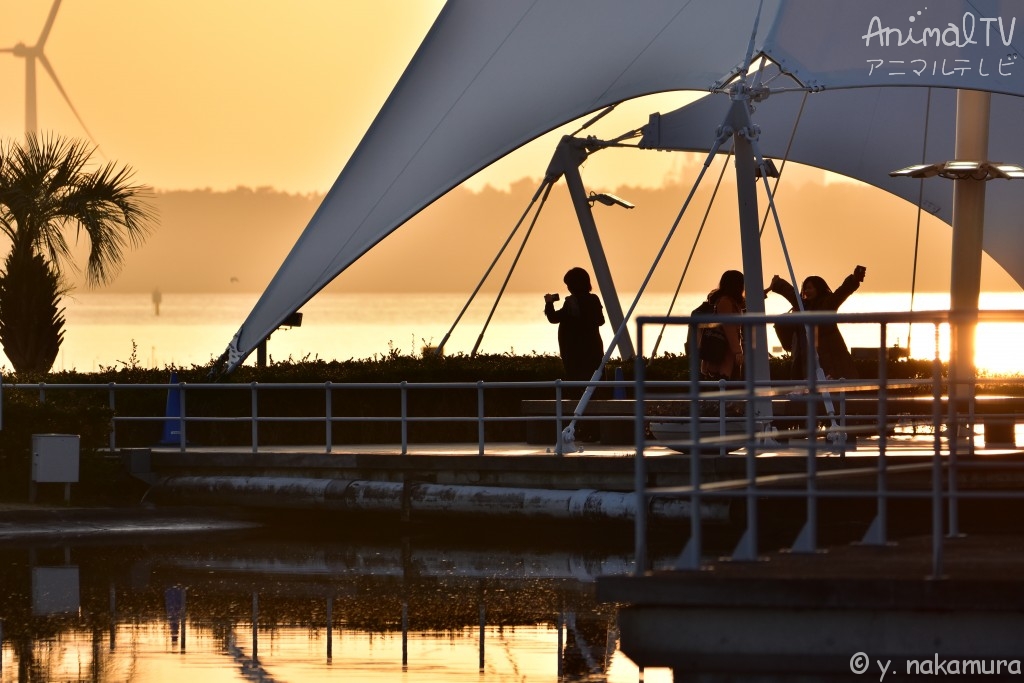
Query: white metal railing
[
  {"x": 692, "y": 395},
  {"x": 179, "y": 414},
  {"x": 951, "y": 424}
]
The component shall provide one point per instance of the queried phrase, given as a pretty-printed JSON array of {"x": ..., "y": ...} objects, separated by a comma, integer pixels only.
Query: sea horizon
[{"x": 104, "y": 330}]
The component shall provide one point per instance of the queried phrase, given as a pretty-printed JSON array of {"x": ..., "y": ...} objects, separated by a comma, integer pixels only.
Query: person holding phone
[
  {"x": 833, "y": 355},
  {"x": 579, "y": 321}
]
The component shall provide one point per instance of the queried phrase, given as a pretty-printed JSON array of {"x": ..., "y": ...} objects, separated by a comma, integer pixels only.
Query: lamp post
[
  {"x": 969, "y": 173},
  {"x": 965, "y": 272},
  {"x": 293, "y": 320},
  {"x": 965, "y": 275}
]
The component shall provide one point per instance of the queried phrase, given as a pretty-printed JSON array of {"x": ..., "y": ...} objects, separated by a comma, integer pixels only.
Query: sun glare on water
[{"x": 996, "y": 347}]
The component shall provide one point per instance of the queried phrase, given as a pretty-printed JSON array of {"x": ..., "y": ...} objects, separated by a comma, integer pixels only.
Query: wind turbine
[{"x": 31, "y": 54}]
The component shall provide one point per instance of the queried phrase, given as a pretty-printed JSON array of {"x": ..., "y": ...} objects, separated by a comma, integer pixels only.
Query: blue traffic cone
[{"x": 172, "y": 413}]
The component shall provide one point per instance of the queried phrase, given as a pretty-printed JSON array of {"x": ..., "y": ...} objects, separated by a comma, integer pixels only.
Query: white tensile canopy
[
  {"x": 490, "y": 77},
  {"x": 865, "y": 134}
]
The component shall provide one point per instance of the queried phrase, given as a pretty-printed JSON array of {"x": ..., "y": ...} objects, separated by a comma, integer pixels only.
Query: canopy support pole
[
  {"x": 744, "y": 134},
  {"x": 567, "y": 440},
  {"x": 570, "y": 153}
]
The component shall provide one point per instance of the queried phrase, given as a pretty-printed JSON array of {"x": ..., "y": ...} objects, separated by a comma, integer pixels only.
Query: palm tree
[{"x": 47, "y": 189}]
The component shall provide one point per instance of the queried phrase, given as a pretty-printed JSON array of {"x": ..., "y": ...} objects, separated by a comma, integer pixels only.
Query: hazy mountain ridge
[{"x": 209, "y": 241}]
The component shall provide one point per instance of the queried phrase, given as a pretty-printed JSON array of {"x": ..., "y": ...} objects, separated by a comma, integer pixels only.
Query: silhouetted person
[
  {"x": 579, "y": 321},
  {"x": 728, "y": 299},
  {"x": 833, "y": 354}
]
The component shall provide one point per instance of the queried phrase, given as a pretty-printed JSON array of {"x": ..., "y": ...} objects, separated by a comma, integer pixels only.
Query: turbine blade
[
  {"x": 53, "y": 75},
  {"x": 6, "y": 49},
  {"x": 48, "y": 25}
]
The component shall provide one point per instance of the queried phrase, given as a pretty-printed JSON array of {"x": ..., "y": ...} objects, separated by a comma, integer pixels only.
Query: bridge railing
[
  {"x": 182, "y": 411},
  {"x": 184, "y": 408},
  {"x": 944, "y": 407}
]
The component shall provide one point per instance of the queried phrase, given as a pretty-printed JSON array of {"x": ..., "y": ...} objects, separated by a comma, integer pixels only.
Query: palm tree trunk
[{"x": 31, "y": 324}]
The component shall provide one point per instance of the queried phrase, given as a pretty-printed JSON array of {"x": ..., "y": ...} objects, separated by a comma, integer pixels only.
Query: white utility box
[{"x": 55, "y": 458}]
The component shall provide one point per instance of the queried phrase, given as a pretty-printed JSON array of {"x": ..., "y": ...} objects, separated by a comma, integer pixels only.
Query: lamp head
[
  {"x": 609, "y": 200},
  {"x": 962, "y": 170}
]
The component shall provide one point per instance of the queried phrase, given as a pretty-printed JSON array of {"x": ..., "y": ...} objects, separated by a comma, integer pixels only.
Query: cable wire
[
  {"x": 546, "y": 183},
  {"x": 920, "y": 202},
  {"x": 511, "y": 269},
  {"x": 693, "y": 249}
]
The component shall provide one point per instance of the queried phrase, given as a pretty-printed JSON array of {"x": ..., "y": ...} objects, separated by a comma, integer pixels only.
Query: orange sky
[{"x": 196, "y": 94}]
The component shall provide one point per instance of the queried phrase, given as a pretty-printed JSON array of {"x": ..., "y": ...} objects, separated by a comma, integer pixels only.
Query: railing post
[
  {"x": 328, "y": 413},
  {"x": 640, "y": 465},
  {"x": 807, "y": 540},
  {"x": 480, "y": 416},
  {"x": 254, "y": 393},
  {"x": 690, "y": 557},
  {"x": 747, "y": 548},
  {"x": 878, "y": 532},
  {"x": 937, "y": 460},
  {"x": 181, "y": 416},
  {"x": 721, "y": 417},
  {"x": 957, "y": 395},
  {"x": 558, "y": 417},
  {"x": 842, "y": 424},
  {"x": 113, "y": 419},
  {"x": 42, "y": 392},
  {"x": 405, "y": 416}
]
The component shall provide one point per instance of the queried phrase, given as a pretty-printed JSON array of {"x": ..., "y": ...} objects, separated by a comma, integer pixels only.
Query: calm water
[
  {"x": 258, "y": 607},
  {"x": 196, "y": 328}
]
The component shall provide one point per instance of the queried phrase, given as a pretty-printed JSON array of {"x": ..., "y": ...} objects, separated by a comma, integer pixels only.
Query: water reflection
[{"x": 259, "y": 607}]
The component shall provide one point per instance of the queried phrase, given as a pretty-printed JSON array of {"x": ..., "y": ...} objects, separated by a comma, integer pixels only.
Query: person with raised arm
[{"x": 833, "y": 355}]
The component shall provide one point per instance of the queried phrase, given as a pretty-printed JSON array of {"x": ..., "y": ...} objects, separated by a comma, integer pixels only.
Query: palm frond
[{"x": 48, "y": 192}]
